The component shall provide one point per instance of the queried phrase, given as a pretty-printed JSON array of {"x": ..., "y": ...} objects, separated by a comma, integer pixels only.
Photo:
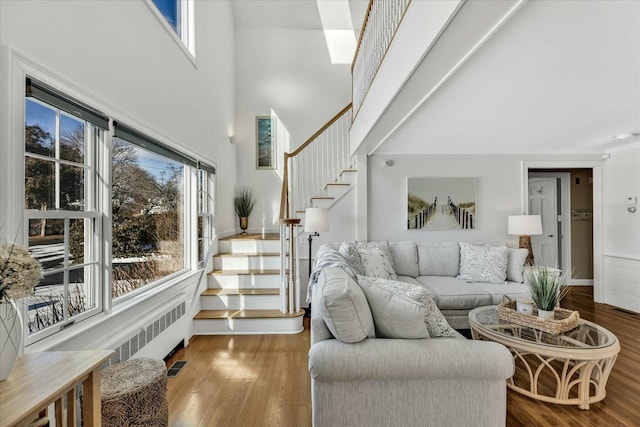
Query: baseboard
[{"x": 581, "y": 282}]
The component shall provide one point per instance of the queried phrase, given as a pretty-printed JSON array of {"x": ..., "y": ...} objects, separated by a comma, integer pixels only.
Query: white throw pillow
[
  {"x": 484, "y": 264},
  {"x": 515, "y": 266},
  {"x": 343, "y": 307},
  {"x": 350, "y": 252},
  {"x": 376, "y": 259},
  {"x": 394, "y": 315},
  {"x": 435, "y": 322},
  {"x": 405, "y": 258}
]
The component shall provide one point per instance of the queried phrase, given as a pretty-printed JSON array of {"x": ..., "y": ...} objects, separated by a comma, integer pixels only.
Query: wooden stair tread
[
  {"x": 338, "y": 183},
  {"x": 245, "y": 314},
  {"x": 242, "y": 291},
  {"x": 253, "y": 236},
  {"x": 245, "y": 254},
  {"x": 348, "y": 170},
  {"x": 322, "y": 198},
  {"x": 243, "y": 272}
]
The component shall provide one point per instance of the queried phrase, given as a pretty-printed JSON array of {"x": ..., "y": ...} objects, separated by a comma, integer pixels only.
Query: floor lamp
[
  {"x": 525, "y": 226},
  {"x": 315, "y": 220}
]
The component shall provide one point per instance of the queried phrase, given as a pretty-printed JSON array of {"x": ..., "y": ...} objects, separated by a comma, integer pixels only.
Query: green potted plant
[
  {"x": 243, "y": 202},
  {"x": 547, "y": 288}
]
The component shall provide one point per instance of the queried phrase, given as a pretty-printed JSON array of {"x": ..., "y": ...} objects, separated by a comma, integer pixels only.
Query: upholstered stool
[{"x": 134, "y": 393}]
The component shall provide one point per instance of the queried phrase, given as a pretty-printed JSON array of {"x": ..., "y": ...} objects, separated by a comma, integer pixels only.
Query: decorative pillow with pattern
[
  {"x": 376, "y": 260},
  {"x": 436, "y": 323},
  {"x": 483, "y": 264},
  {"x": 350, "y": 252}
]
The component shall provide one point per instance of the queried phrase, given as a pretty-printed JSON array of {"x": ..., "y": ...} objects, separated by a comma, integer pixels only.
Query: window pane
[
  {"x": 148, "y": 211},
  {"x": 71, "y": 139},
  {"x": 40, "y": 129},
  {"x": 46, "y": 306},
  {"x": 169, "y": 9},
  {"x": 81, "y": 295},
  {"x": 78, "y": 228},
  {"x": 46, "y": 243},
  {"x": 39, "y": 184},
  {"x": 71, "y": 188}
]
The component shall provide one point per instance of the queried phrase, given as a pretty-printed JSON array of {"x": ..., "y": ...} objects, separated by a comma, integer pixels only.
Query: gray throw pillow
[
  {"x": 343, "y": 306},
  {"x": 483, "y": 264},
  {"x": 435, "y": 322},
  {"x": 376, "y": 259},
  {"x": 394, "y": 315},
  {"x": 405, "y": 258},
  {"x": 439, "y": 259}
]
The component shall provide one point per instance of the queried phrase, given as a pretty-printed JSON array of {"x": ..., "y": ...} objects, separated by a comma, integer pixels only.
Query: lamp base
[{"x": 525, "y": 243}]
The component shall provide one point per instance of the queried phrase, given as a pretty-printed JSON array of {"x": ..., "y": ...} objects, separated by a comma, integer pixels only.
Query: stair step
[
  {"x": 245, "y": 314},
  {"x": 252, "y": 236},
  {"x": 250, "y": 243},
  {"x": 229, "y": 261},
  {"x": 321, "y": 202},
  {"x": 336, "y": 190},
  {"x": 243, "y": 279},
  {"x": 244, "y": 291},
  {"x": 240, "y": 299},
  {"x": 219, "y": 272}
]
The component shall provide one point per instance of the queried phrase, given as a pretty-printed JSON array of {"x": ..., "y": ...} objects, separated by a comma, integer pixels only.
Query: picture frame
[
  {"x": 441, "y": 204},
  {"x": 266, "y": 142}
]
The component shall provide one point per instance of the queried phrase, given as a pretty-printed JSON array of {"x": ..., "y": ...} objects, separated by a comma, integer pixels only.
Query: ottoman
[{"x": 134, "y": 393}]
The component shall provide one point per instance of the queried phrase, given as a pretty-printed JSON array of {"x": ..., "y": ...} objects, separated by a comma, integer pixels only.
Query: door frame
[
  {"x": 599, "y": 287},
  {"x": 564, "y": 210}
]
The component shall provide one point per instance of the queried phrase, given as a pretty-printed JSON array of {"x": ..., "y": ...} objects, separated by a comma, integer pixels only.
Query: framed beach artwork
[
  {"x": 265, "y": 142},
  {"x": 441, "y": 203}
]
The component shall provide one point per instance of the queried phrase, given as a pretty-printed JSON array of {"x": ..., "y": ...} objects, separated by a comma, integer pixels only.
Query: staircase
[{"x": 243, "y": 290}]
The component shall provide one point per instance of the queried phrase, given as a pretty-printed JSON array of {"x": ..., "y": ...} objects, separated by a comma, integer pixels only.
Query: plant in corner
[
  {"x": 243, "y": 202},
  {"x": 547, "y": 288}
]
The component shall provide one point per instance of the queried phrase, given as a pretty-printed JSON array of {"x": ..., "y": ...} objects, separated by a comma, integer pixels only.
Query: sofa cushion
[
  {"x": 434, "y": 320},
  {"x": 405, "y": 258},
  {"x": 376, "y": 259},
  {"x": 395, "y": 315},
  {"x": 511, "y": 289},
  {"x": 343, "y": 306},
  {"x": 483, "y": 263},
  {"x": 350, "y": 253},
  {"x": 439, "y": 259},
  {"x": 515, "y": 266},
  {"x": 454, "y": 293}
]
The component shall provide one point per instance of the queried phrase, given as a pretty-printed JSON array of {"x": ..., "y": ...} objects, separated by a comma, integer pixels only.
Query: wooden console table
[{"x": 41, "y": 379}]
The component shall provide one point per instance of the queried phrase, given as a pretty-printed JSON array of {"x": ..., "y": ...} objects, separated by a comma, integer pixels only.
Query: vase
[
  {"x": 546, "y": 314},
  {"x": 10, "y": 337},
  {"x": 244, "y": 224}
]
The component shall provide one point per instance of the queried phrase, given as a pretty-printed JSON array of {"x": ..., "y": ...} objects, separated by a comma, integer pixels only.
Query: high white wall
[
  {"x": 120, "y": 57},
  {"x": 280, "y": 72}
]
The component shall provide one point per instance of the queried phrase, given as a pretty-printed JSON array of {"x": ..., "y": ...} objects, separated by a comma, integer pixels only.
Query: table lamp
[
  {"x": 525, "y": 226},
  {"x": 315, "y": 220}
]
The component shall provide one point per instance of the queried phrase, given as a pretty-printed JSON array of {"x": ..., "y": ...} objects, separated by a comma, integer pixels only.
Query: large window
[
  {"x": 61, "y": 218},
  {"x": 85, "y": 185}
]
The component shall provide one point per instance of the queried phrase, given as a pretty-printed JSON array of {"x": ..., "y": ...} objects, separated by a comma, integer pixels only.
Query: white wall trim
[
  {"x": 599, "y": 287},
  {"x": 581, "y": 282}
]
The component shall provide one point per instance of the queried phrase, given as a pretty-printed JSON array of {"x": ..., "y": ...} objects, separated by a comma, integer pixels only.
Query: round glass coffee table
[{"x": 571, "y": 368}]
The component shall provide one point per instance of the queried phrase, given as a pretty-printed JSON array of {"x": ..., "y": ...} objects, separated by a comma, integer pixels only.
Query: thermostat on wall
[{"x": 632, "y": 200}]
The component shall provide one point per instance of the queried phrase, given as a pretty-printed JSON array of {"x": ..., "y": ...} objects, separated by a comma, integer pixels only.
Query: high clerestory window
[
  {"x": 85, "y": 185},
  {"x": 178, "y": 14}
]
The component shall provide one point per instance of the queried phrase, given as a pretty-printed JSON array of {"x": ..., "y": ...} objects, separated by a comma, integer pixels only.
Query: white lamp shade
[
  {"x": 524, "y": 224},
  {"x": 316, "y": 220}
]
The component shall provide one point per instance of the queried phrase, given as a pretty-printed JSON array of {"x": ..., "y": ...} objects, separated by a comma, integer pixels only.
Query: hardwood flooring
[{"x": 262, "y": 380}]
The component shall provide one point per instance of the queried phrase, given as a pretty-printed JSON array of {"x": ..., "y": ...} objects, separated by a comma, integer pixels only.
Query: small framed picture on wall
[{"x": 265, "y": 142}]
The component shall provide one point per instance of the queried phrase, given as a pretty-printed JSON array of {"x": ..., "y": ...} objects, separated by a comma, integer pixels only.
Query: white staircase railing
[
  {"x": 381, "y": 22},
  {"x": 307, "y": 170}
]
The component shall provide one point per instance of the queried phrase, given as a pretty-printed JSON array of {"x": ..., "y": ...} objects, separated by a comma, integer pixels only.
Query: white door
[{"x": 543, "y": 201}]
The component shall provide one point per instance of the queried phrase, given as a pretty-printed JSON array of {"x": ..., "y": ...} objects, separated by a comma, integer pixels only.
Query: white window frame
[
  {"x": 206, "y": 209},
  {"x": 185, "y": 37}
]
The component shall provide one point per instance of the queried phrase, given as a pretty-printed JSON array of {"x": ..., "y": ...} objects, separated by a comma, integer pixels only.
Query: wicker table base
[
  {"x": 569, "y": 369},
  {"x": 134, "y": 393}
]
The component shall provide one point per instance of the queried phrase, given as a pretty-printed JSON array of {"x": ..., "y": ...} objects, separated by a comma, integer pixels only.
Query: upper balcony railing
[{"x": 381, "y": 22}]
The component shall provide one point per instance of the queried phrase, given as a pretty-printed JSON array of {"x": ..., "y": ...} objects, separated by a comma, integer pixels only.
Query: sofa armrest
[{"x": 402, "y": 359}]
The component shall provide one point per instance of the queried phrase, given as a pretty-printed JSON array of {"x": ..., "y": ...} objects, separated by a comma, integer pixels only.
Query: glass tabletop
[{"x": 585, "y": 335}]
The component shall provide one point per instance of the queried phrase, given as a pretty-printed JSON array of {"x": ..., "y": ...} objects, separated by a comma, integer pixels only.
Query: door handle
[{"x": 549, "y": 235}]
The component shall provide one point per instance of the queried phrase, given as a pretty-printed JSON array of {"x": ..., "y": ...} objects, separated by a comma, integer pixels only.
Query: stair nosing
[
  {"x": 246, "y": 254},
  {"x": 218, "y": 272},
  {"x": 244, "y": 314}
]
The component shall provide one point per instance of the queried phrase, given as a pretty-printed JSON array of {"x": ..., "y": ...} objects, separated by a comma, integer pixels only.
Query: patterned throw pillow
[
  {"x": 350, "y": 252},
  {"x": 483, "y": 264},
  {"x": 376, "y": 260},
  {"x": 436, "y": 324}
]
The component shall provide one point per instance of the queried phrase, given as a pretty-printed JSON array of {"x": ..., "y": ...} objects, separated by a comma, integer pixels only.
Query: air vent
[{"x": 175, "y": 368}]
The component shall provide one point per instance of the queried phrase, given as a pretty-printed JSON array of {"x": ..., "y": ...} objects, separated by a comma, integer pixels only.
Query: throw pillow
[
  {"x": 439, "y": 259},
  {"x": 376, "y": 259},
  {"x": 515, "y": 265},
  {"x": 484, "y": 264},
  {"x": 436, "y": 323},
  {"x": 350, "y": 252},
  {"x": 343, "y": 307},
  {"x": 394, "y": 315},
  {"x": 405, "y": 258}
]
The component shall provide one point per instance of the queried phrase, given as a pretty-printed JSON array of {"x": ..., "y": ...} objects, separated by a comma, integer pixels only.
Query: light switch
[{"x": 633, "y": 200}]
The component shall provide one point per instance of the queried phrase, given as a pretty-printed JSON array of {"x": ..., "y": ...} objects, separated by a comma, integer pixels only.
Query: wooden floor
[{"x": 263, "y": 380}]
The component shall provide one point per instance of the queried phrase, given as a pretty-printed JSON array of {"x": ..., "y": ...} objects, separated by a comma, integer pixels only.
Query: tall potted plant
[
  {"x": 547, "y": 288},
  {"x": 243, "y": 202}
]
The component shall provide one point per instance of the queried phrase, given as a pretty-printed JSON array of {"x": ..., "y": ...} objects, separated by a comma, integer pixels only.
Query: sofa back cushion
[
  {"x": 343, "y": 306},
  {"x": 405, "y": 258},
  {"x": 439, "y": 259}
]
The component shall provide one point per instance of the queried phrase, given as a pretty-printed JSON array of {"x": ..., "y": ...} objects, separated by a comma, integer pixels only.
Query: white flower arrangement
[{"x": 19, "y": 272}]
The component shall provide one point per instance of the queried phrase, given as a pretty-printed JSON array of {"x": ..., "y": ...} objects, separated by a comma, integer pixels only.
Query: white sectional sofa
[{"x": 359, "y": 378}]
